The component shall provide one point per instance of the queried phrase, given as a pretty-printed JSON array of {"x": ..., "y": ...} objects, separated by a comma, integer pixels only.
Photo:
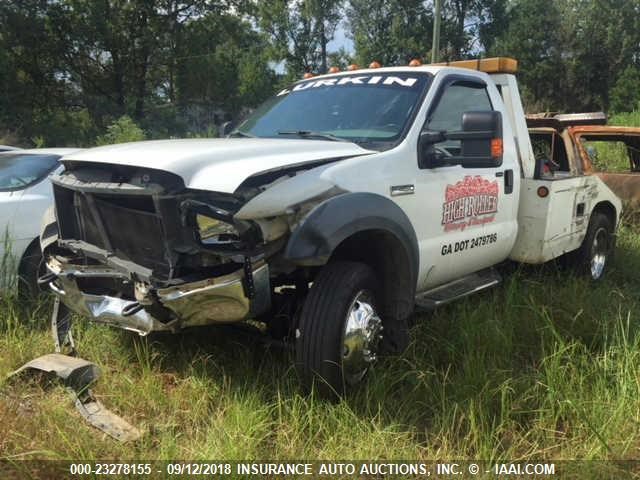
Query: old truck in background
[
  {"x": 611, "y": 152},
  {"x": 340, "y": 204}
]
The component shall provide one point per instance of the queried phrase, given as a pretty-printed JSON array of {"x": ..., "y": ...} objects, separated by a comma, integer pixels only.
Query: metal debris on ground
[
  {"x": 77, "y": 374},
  {"x": 61, "y": 328}
]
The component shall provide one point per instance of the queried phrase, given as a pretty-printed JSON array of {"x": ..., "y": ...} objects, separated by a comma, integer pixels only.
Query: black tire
[
  {"x": 597, "y": 248},
  {"x": 320, "y": 342},
  {"x": 31, "y": 267}
]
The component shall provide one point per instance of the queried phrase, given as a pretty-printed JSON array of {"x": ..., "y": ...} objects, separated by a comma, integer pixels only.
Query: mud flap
[{"x": 77, "y": 375}]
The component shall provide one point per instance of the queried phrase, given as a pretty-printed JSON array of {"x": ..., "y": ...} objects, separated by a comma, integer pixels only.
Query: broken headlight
[
  {"x": 214, "y": 232},
  {"x": 216, "y": 228}
]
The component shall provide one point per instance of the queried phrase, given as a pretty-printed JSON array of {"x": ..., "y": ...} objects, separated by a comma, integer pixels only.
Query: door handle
[{"x": 508, "y": 181}]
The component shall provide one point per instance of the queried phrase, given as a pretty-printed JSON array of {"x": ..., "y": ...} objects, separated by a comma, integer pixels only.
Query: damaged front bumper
[{"x": 230, "y": 298}]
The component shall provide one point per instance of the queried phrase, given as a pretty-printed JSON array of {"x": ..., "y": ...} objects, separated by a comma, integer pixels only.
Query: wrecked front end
[{"x": 132, "y": 247}]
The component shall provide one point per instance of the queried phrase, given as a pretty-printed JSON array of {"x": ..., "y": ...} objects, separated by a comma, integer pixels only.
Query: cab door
[{"x": 470, "y": 211}]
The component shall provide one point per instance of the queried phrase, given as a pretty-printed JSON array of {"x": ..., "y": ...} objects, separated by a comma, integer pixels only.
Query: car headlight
[{"x": 213, "y": 231}]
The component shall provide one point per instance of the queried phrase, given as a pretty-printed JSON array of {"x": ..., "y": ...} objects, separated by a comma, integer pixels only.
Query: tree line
[{"x": 69, "y": 69}]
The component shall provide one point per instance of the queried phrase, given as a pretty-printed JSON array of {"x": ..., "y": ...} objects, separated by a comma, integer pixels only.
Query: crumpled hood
[{"x": 219, "y": 165}]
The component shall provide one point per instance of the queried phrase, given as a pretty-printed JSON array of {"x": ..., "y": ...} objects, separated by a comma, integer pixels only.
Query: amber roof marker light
[
  {"x": 334, "y": 70},
  {"x": 375, "y": 64},
  {"x": 353, "y": 67},
  {"x": 307, "y": 75},
  {"x": 415, "y": 62}
]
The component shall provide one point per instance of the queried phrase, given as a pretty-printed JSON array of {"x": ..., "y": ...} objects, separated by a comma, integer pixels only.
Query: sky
[{"x": 340, "y": 40}]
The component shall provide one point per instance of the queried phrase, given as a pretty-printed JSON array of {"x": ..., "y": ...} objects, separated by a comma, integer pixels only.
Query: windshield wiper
[
  {"x": 23, "y": 182},
  {"x": 239, "y": 133},
  {"x": 312, "y": 134}
]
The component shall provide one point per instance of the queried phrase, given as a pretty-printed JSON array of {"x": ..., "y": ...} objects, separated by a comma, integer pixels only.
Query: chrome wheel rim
[
  {"x": 361, "y": 337},
  {"x": 599, "y": 250}
]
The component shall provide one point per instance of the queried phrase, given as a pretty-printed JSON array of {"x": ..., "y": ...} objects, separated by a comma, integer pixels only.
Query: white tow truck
[{"x": 334, "y": 209}]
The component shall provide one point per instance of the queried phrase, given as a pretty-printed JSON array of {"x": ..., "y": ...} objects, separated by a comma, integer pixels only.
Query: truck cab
[{"x": 338, "y": 206}]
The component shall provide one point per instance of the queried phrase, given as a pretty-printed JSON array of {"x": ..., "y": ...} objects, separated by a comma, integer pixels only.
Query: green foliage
[
  {"x": 223, "y": 71},
  {"x": 256, "y": 80},
  {"x": 211, "y": 132},
  {"x": 389, "y": 31},
  {"x": 470, "y": 26},
  {"x": 9, "y": 138},
  {"x": 57, "y": 128},
  {"x": 396, "y": 31},
  {"x": 600, "y": 47},
  {"x": 572, "y": 54},
  {"x": 535, "y": 37},
  {"x": 69, "y": 67},
  {"x": 625, "y": 94},
  {"x": 122, "y": 130},
  {"x": 608, "y": 156},
  {"x": 299, "y": 32},
  {"x": 626, "y": 119},
  {"x": 341, "y": 59},
  {"x": 39, "y": 142}
]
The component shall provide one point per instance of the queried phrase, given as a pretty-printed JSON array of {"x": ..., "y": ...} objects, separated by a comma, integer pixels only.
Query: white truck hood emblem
[{"x": 219, "y": 165}]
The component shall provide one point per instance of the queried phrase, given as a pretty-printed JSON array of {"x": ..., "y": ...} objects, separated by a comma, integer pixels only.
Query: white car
[{"x": 25, "y": 194}]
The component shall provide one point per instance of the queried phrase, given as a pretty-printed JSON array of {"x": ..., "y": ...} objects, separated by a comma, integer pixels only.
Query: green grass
[
  {"x": 626, "y": 119},
  {"x": 546, "y": 366},
  {"x": 8, "y": 264},
  {"x": 610, "y": 156}
]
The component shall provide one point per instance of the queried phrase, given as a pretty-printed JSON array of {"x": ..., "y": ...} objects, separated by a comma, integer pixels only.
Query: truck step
[{"x": 458, "y": 288}]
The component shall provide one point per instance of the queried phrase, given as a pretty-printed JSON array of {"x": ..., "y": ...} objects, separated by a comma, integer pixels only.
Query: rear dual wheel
[{"x": 340, "y": 329}]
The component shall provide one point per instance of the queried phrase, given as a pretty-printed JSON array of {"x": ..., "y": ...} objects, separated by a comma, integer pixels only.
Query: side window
[
  {"x": 549, "y": 148},
  {"x": 21, "y": 170},
  {"x": 457, "y": 98},
  {"x": 613, "y": 154}
]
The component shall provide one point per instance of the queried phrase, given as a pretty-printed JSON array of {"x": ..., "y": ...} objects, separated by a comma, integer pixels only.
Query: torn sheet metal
[
  {"x": 97, "y": 415},
  {"x": 61, "y": 328},
  {"x": 77, "y": 375}
]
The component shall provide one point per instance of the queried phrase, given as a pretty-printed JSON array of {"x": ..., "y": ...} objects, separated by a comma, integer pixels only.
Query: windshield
[
  {"x": 365, "y": 108},
  {"x": 20, "y": 170}
]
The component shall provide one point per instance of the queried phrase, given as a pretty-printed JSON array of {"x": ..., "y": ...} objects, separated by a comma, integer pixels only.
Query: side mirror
[
  {"x": 542, "y": 169},
  {"x": 481, "y": 139},
  {"x": 225, "y": 129},
  {"x": 429, "y": 137},
  {"x": 427, "y": 154},
  {"x": 477, "y": 145}
]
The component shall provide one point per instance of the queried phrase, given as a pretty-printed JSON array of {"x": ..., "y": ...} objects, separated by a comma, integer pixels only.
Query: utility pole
[{"x": 435, "y": 44}]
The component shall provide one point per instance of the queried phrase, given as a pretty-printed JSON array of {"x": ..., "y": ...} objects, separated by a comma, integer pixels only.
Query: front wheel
[
  {"x": 31, "y": 267},
  {"x": 340, "y": 329},
  {"x": 597, "y": 248}
]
